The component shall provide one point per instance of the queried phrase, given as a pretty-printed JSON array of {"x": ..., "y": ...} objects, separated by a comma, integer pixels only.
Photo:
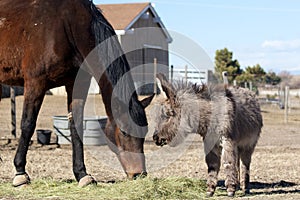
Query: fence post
[
  {"x": 172, "y": 73},
  {"x": 286, "y": 104},
  {"x": 281, "y": 95},
  {"x": 186, "y": 73},
  {"x": 225, "y": 78},
  {"x": 250, "y": 86},
  {"x": 13, "y": 111},
  {"x": 155, "y": 72},
  {"x": 234, "y": 83}
]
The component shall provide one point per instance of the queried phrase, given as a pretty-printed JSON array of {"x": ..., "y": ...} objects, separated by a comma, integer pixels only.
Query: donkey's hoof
[
  {"x": 246, "y": 192},
  {"x": 87, "y": 180},
  {"x": 209, "y": 194},
  {"x": 21, "y": 180},
  {"x": 210, "y": 191},
  {"x": 230, "y": 194}
]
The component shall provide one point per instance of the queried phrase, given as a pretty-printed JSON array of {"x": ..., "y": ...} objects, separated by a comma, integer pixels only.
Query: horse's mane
[
  {"x": 104, "y": 32},
  {"x": 117, "y": 70}
]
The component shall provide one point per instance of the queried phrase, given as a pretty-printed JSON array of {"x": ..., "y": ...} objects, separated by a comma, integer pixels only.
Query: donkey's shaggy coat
[{"x": 226, "y": 118}]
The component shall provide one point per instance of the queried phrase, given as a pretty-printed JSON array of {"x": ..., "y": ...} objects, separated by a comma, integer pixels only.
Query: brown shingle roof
[{"x": 121, "y": 15}]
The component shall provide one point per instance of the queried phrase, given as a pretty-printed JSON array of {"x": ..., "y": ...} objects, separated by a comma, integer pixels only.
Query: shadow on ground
[{"x": 281, "y": 187}]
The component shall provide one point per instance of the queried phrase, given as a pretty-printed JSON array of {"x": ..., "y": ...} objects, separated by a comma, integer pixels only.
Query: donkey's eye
[{"x": 168, "y": 112}]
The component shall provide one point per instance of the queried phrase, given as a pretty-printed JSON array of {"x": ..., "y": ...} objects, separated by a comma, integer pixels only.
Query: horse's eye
[{"x": 124, "y": 133}]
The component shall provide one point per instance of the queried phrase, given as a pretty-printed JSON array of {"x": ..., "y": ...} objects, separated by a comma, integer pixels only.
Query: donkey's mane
[
  {"x": 188, "y": 87},
  {"x": 205, "y": 91}
]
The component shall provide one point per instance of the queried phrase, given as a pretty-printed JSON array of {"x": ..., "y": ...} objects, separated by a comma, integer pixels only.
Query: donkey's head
[{"x": 169, "y": 114}]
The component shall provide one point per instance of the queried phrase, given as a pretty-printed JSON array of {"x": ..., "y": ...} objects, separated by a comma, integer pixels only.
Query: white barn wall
[{"x": 61, "y": 91}]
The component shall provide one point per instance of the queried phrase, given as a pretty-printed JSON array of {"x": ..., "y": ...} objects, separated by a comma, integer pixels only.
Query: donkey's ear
[
  {"x": 145, "y": 102},
  {"x": 166, "y": 87}
]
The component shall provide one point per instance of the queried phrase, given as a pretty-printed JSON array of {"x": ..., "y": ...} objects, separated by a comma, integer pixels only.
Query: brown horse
[
  {"x": 43, "y": 44},
  {"x": 226, "y": 118}
]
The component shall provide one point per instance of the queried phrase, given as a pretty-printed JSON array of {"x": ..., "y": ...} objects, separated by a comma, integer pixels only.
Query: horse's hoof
[
  {"x": 21, "y": 180},
  {"x": 87, "y": 180}
]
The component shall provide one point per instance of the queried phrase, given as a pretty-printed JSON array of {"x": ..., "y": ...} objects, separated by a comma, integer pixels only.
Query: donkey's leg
[
  {"x": 245, "y": 169},
  {"x": 230, "y": 157},
  {"x": 76, "y": 101},
  {"x": 213, "y": 161},
  {"x": 238, "y": 168},
  {"x": 33, "y": 98}
]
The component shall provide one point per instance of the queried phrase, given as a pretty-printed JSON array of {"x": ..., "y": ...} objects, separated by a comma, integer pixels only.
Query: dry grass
[
  {"x": 272, "y": 115},
  {"x": 147, "y": 188},
  {"x": 275, "y": 161}
]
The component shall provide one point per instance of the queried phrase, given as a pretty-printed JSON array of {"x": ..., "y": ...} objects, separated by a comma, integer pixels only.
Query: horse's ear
[
  {"x": 166, "y": 87},
  {"x": 145, "y": 102}
]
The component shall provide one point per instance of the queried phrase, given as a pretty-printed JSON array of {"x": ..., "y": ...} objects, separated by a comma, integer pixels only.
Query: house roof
[{"x": 123, "y": 16}]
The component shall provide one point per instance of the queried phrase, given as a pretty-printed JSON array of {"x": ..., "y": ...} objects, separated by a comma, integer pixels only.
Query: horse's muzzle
[{"x": 137, "y": 175}]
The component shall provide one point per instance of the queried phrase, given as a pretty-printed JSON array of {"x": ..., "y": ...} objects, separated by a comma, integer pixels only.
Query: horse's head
[
  {"x": 126, "y": 132},
  {"x": 167, "y": 110}
]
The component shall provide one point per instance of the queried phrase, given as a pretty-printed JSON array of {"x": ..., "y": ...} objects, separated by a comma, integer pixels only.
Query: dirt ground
[{"x": 275, "y": 169}]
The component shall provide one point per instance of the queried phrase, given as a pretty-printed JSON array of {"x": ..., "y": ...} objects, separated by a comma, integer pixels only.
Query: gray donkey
[{"x": 226, "y": 118}]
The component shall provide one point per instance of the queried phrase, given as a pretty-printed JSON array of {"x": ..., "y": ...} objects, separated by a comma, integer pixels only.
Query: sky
[{"x": 265, "y": 32}]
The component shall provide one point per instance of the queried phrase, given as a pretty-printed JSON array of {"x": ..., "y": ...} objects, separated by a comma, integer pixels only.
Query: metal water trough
[{"x": 93, "y": 130}]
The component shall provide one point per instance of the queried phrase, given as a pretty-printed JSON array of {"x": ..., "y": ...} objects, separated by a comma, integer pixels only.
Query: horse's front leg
[
  {"x": 230, "y": 160},
  {"x": 33, "y": 98},
  {"x": 76, "y": 102}
]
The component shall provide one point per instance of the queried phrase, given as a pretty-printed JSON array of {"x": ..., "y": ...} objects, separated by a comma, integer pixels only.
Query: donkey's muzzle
[{"x": 159, "y": 141}]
